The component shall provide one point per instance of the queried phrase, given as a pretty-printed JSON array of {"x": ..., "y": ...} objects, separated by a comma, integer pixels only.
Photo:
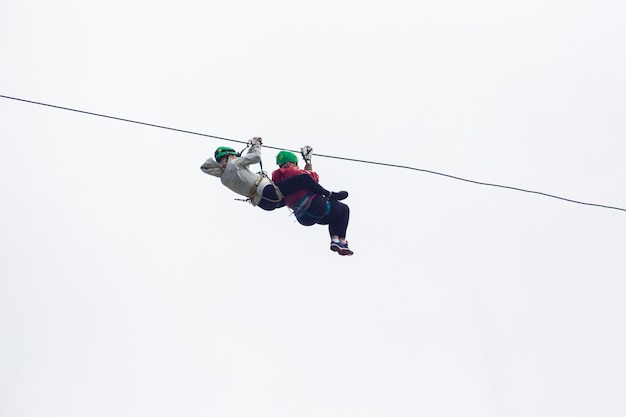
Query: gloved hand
[
  {"x": 307, "y": 153},
  {"x": 255, "y": 141}
]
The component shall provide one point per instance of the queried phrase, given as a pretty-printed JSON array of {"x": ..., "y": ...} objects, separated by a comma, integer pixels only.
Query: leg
[
  {"x": 338, "y": 219},
  {"x": 337, "y": 227},
  {"x": 270, "y": 200}
]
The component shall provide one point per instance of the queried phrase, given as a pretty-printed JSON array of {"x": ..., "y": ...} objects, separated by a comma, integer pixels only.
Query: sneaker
[
  {"x": 339, "y": 195},
  {"x": 341, "y": 248}
]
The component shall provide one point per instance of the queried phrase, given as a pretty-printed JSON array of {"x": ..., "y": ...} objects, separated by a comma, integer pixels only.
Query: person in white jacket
[{"x": 234, "y": 172}]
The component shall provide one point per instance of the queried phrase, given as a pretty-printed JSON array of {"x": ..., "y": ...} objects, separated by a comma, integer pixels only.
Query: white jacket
[{"x": 238, "y": 177}]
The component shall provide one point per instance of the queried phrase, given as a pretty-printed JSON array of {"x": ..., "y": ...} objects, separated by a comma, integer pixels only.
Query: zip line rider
[
  {"x": 234, "y": 172},
  {"x": 311, "y": 207}
]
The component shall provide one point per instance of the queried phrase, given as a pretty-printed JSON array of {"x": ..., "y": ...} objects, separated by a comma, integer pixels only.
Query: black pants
[
  {"x": 336, "y": 217},
  {"x": 270, "y": 199}
]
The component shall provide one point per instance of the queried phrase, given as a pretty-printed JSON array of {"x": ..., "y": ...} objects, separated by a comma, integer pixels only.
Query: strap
[
  {"x": 279, "y": 194},
  {"x": 241, "y": 152},
  {"x": 301, "y": 207},
  {"x": 244, "y": 200}
]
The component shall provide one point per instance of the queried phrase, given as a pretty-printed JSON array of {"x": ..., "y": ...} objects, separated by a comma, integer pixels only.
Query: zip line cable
[
  {"x": 121, "y": 119},
  {"x": 321, "y": 155}
]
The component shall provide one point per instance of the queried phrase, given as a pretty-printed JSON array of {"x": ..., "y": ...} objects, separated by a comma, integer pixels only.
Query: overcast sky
[{"x": 132, "y": 284}]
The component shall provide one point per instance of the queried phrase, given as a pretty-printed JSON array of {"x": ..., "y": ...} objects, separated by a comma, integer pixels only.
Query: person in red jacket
[{"x": 314, "y": 208}]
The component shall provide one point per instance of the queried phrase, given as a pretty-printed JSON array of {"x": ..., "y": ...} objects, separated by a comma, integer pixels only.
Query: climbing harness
[
  {"x": 260, "y": 176},
  {"x": 301, "y": 207},
  {"x": 253, "y": 191}
]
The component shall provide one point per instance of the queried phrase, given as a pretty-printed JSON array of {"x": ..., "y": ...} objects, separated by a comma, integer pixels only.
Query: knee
[{"x": 341, "y": 207}]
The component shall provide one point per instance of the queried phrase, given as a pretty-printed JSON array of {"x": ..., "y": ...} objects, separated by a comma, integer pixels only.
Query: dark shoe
[
  {"x": 338, "y": 195},
  {"x": 341, "y": 248}
]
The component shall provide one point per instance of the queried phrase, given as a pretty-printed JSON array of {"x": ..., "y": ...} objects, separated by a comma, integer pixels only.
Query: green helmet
[
  {"x": 223, "y": 151},
  {"x": 286, "y": 156}
]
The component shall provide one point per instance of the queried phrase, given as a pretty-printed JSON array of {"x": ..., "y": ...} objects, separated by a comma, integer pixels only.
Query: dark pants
[
  {"x": 318, "y": 213},
  {"x": 270, "y": 199}
]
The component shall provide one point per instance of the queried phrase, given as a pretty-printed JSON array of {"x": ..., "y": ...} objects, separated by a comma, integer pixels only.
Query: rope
[
  {"x": 123, "y": 120},
  {"x": 324, "y": 156}
]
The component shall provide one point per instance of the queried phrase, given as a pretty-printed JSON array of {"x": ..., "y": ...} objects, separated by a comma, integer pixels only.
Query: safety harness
[
  {"x": 301, "y": 207},
  {"x": 253, "y": 190}
]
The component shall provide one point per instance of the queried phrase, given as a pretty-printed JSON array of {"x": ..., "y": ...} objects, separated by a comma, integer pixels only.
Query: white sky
[{"x": 132, "y": 284}]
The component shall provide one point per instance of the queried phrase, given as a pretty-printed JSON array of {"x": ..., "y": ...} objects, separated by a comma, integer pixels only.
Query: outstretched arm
[{"x": 253, "y": 155}]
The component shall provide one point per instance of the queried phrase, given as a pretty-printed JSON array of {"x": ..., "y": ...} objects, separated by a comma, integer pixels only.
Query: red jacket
[{"x": 284, "y": 173}]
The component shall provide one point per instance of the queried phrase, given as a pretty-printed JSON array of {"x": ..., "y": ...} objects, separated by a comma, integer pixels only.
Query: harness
[
  {"x": 253, "y": 190},
  {"x": 301, "y": 207},
  {"x": 258, "y": 180}
]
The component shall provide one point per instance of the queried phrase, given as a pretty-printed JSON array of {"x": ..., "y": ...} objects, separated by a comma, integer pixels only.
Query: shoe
[
  {"x": 338, "y": 195},
  {"x": 341, "y": 248}
]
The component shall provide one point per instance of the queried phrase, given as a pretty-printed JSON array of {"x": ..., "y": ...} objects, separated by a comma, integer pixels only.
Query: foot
[
  {"x": 338, "y": 195},
  {"x": 341, "y": 248}
]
